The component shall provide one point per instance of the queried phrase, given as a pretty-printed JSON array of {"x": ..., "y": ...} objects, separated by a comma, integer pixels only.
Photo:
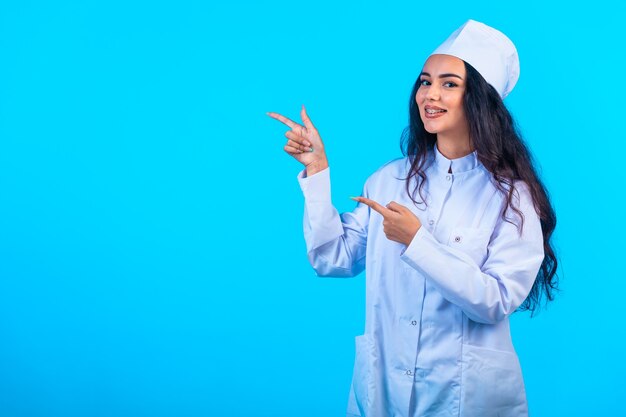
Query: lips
[
  {"x": 432, "y": 112},
  {"x": 433, "y": 109}
]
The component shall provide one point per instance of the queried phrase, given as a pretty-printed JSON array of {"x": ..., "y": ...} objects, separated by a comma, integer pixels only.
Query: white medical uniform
[{"x": 437, "y": 339}]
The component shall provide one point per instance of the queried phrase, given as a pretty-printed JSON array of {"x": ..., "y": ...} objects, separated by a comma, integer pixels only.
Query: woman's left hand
[{"x": 399, "y": 224}]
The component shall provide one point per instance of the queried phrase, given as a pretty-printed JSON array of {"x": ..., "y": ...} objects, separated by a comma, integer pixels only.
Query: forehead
[{"x": 441, "y": 64}]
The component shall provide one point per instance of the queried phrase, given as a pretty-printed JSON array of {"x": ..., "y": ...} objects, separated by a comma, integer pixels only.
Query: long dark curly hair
[{"x": 500, "y": 148}]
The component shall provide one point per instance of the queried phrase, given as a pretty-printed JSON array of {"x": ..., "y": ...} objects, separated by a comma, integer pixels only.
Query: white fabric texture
[
  {"x": 488, "y": 50},
  {"x": 437, "y": 340}
]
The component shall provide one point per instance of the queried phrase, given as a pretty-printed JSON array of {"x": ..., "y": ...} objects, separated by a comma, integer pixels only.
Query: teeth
[{"x": 431, "y": 111}]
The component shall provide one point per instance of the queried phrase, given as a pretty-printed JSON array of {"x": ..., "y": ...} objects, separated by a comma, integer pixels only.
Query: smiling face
[{"x": 440, "y": 96}]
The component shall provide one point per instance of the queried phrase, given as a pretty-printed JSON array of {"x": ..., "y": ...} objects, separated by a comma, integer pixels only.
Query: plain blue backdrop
[{"x": 152, "y": 261}]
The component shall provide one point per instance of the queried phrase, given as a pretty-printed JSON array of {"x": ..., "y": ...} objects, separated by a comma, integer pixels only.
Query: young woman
[{"x": 462, "y": 241}]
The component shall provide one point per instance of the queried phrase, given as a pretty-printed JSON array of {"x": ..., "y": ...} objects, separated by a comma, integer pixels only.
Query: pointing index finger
[
  {"x": 374, "y": 205},
  {"x": 283, "y": 119}
]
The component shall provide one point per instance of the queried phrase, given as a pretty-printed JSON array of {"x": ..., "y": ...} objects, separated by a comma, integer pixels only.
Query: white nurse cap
[{"x": 488, "y": 50}]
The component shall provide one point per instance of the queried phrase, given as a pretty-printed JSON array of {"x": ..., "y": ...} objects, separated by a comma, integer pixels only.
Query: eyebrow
[{"x": 443, "y": 75}]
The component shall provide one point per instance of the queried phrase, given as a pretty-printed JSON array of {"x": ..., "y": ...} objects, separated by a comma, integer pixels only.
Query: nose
[{"x": 433, "y": 92}]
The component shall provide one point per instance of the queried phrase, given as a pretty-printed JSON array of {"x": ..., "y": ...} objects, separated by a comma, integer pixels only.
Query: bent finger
[
  {"x": 296, "y": 145},
  {"x": 291, "y": 149},
  {"x": 298, "y": 139},
  {"x": 398, "y": 208}
]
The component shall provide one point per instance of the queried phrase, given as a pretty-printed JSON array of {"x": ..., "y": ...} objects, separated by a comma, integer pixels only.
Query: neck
[{"x": 454, "y": 147}]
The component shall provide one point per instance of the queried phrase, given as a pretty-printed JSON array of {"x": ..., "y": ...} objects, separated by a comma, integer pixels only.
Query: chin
[
  {"x": 428, "y": 126},
  {"x": 431, "y": 130}
]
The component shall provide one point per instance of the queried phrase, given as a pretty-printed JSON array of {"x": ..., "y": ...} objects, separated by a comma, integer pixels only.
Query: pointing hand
[
  {"x": 400, "y": 224},
  {"x": 304, "y": 142}
]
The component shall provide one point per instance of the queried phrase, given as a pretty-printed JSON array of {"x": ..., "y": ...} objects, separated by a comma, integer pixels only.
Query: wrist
[
  {"x": 315, "y": 167},
  {"x": 412, "y": 235}
]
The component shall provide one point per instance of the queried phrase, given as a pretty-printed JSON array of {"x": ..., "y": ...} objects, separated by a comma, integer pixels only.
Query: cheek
[
  {"x": 461, "y": 109},
  {"x": 457, "y": 104},
  {"x": 459, "y": 101},
  {"x": 419, "y": 96}
]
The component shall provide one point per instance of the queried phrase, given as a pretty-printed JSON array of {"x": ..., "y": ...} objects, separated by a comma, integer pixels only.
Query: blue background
[{"x": 152, "y": 261}]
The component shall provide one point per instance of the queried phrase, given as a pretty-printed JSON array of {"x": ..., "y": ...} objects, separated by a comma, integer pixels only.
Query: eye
[
  {"x": 451, "y": 84},
  {"x": 424, "y": 81}
]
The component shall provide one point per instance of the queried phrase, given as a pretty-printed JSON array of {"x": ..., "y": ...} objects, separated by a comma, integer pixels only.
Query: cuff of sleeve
[
  {"x": 315, "y": 187},
  {"x": 412, "y": 253}
]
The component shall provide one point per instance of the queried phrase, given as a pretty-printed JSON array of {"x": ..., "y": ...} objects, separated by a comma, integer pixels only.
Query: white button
[
  {"x": 409, "y": 372},
  {"x": 414, "y": 322},
  {"x": 448, "y": 177},
  {"x": 457, "y": 239},
  {"x": 431, "y": 222}
]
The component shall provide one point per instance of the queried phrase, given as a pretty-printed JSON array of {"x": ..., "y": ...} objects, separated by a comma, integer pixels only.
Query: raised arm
[{"x": 335, "y": 243}]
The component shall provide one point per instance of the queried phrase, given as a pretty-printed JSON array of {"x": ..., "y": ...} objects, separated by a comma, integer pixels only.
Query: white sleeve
[
  {"x": 489, "y": 293},
  {"x": 335, "y": 243}
]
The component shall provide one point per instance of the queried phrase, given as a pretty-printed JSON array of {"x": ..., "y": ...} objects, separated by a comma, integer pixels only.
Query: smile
[{"x": 433, "y": 114}]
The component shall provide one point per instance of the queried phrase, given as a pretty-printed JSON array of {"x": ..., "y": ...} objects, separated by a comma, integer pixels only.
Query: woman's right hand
[{"x": 304, "y": 142}]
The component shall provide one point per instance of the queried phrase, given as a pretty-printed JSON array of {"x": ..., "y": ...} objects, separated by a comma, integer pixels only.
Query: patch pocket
[
  {"x": 471, "y": 240},
  {"x": 362, "y": 373},
  {"x": 492, "y": 384}
]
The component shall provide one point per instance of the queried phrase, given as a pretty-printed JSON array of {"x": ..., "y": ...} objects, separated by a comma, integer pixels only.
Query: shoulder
[
  {"x": 393, "y": 170},
  {"x": 521, "y": 189},
  {"x": 522, "y": 196},
  {"x": 522, "y": 201}
]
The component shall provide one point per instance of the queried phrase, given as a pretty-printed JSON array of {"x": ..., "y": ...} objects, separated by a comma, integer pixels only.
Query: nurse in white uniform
[{"x": 453, "y": 238}]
